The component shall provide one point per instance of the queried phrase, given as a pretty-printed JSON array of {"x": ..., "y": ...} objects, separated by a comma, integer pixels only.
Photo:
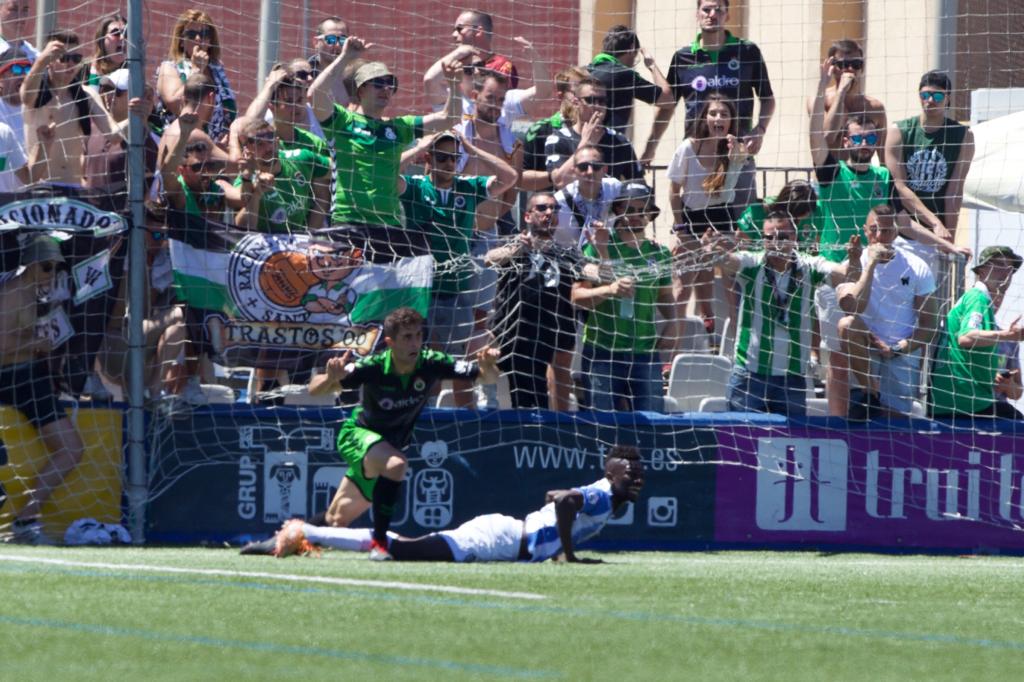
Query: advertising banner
[
  {"x": 901, "y": 489},
  {"x": 223, "y": 478}
]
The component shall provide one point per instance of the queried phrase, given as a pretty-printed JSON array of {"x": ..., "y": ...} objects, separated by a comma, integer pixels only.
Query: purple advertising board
[{"x": 899, "y": 489}]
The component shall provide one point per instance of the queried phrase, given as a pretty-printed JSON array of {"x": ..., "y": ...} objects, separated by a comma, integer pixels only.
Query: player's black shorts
[{"x": 29, "y": 387}]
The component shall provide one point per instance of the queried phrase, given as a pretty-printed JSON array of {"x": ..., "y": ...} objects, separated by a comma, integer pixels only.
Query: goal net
[{"x": 774, "y": 247}]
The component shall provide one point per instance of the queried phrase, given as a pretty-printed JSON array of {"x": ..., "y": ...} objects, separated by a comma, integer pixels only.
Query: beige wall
[{"x": 900, "y": 45}]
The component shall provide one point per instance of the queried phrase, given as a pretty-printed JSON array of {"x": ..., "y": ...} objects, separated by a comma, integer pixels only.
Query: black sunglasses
[
  {"x": 544, "y": 208},
  {"x": 855, "y": 64},
  {"x": 384, "y": 82},
  {"x": 71, "y": 58},
  {"x": 594, "y": 100},
  {"x": 444, "y": 156},
  {"x": 193, "y": 34},
  {"x": 207, "y": 166},
  {"x": 304, "y": 75},
  {"x": 589, "y": 165}
]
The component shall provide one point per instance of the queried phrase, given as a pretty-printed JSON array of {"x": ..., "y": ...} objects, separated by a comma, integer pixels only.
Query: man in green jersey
[
  {"x": 192, "y": 176},
  {"x": 281, "y": 189},
  {"x": 620, "y": 338},
  {"x": 368, "y": 149},
  {"x": 849, "y": 188},
  {"x": 443, "y": 206},
  {"x": 967, "y": 368},
  {"x": 284, "y": 96},
  {"x": 773, "y": 338},
  {"x": 929, "y": 156},
  {"x": 396, "y": 384}
]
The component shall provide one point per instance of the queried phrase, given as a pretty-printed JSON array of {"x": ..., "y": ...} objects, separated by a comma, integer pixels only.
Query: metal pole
[
  {"x": 270, "y": 36},
  {"x": 46, "y": 19},
  {"x": 137, "y": 132}
]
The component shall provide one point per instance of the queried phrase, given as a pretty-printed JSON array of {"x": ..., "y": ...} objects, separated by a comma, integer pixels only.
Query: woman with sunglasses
[
  {"x": 195, "y": 46},
  {"x": 108, "y": 48},
  {"x": 929, "y": 156},
  {"x": 703, "y": 173},
  {"x": 53, "y": 98}
]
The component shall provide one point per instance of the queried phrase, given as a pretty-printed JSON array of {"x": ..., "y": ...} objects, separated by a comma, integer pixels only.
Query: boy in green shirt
[{"x": 283, "y": 195}]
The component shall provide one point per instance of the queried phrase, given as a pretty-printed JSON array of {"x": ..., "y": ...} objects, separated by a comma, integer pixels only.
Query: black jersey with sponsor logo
[
  {"x": 392, "y": 401},
  {"x": 737, "y": 70}
]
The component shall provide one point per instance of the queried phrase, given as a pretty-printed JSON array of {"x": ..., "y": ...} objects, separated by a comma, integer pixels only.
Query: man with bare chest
[
  {"x": 55, "y": 100},
  {"x": 845, "y": 98}
]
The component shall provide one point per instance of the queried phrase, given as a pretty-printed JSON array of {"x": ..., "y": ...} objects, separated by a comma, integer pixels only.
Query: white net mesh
[{"x": 278, "y": 247}]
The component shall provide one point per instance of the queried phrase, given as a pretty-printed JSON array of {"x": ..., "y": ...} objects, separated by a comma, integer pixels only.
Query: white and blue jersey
[{"x": 541, "y": 527}]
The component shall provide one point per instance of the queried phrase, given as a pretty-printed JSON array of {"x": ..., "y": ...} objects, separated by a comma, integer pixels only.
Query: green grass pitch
[{"x": 210, "y": 614}]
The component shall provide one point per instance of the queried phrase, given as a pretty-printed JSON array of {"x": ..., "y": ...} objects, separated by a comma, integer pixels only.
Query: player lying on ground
[
  {"x": 396, "y": 384},
  {"x": 569, "y": 518}
]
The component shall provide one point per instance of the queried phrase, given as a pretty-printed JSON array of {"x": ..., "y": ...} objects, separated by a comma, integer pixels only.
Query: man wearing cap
[
  {"x": 13, "y": 69},
  {"x": 368, "y": 150},
  {"x": 967, "y": 368},
  {"x": 106, "y": 156},
  {"x": 443, "y": 206},
  {"x": 620, "y": 337},
  {"x": 27, "y": 385},
  {"x": 14, "y": 170},
  {"x": 518, "y": 103}
]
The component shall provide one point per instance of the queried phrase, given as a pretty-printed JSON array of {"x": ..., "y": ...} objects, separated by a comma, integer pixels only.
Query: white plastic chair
[{"x": 696, "y": 376}]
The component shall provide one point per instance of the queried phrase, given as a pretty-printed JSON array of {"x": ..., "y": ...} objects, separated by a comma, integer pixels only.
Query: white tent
[{"x": 996, "y": 178}]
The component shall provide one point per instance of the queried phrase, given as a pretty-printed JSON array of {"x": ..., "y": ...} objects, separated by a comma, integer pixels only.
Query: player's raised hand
[
  {"x": 487, "y": 359},
  {"x": 338, "y": 369}
]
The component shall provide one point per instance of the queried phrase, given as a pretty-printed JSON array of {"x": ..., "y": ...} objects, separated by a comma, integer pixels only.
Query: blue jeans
[
  {"x": 750, "y": 392},
  {"x": 615, "y": 375}
]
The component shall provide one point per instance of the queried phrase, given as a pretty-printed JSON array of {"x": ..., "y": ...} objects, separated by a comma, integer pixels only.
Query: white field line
[{"x": 283, "y": 577}]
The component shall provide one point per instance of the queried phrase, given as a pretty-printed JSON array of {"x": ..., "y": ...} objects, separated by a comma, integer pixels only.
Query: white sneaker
[
  {"x": 95, "y": 389},
  {"x": 193, "y": 393}
]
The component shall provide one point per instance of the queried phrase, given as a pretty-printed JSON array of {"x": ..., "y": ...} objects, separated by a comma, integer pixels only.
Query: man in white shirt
[
  {"x": 14, "y": 27},
  {"x": 584, "y": 203},
  {"x": 891, "y": 319}
]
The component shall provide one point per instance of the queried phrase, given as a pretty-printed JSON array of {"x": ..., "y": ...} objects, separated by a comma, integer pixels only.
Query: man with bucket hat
[{"x": 967, "y": 370}]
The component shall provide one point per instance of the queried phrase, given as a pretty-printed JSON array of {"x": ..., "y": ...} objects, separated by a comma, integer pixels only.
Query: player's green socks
[{"x": 385, "y": 492}]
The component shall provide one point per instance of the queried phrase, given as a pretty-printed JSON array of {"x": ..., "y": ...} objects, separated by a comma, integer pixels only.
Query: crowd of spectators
[{"x": 538, "y": 210}]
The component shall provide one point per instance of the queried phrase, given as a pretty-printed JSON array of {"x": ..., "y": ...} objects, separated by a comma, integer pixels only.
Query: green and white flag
[{"x": 260, "y": 292}]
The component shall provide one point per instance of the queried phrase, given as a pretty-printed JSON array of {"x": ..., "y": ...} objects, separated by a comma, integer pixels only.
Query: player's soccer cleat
[
  {"x": 263, "y": 548},
  {"x": 291, "y": 540},
  {"x": 379, "y": 552}
]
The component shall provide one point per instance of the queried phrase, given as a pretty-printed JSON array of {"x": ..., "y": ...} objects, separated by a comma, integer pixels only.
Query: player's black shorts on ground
[{"x": 29, "y": 387}]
